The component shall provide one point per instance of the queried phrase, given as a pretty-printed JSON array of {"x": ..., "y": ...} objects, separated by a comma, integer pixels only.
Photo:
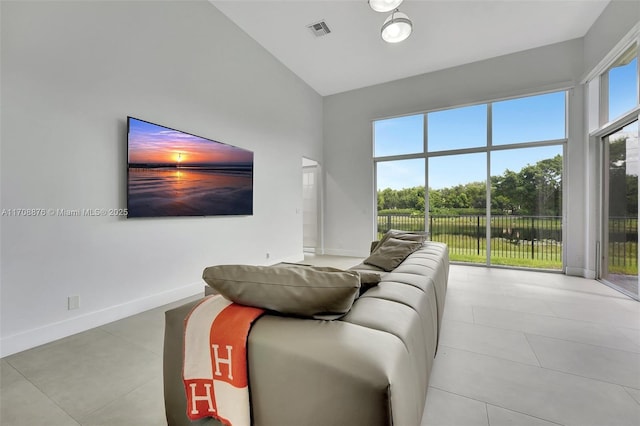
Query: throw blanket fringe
[{"x": 215, "y": 360}]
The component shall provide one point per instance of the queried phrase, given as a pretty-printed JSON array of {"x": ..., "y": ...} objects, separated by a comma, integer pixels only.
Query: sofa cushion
[
  {"x": 367, "y": 268},
  {"x": 391, "y": 252},
  {"x": 368, "y": 278},
  {"x": 307, "y": 291},
  {"x": 400, "y": 235}
]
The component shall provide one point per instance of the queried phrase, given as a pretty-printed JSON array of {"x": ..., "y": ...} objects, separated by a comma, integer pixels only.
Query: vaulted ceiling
[{"x": 446, "y": 33}]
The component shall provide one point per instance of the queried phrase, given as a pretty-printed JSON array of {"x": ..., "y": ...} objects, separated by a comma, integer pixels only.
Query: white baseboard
[
  {"x": 293, "y": 259},
  {"x": 41, "y": 335},
  {"x": 581, "y": 272},
  {"x": 350, "y": 253},
  {"x": 286, "y": 259}
]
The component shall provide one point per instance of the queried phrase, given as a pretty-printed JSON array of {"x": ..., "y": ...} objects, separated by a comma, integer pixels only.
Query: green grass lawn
[
  {"x": 511, "y": 240},
  {"x": 546, "y": 257},
  {"x": 506, "y": 261},
  {"x": 623, "y": 258}
]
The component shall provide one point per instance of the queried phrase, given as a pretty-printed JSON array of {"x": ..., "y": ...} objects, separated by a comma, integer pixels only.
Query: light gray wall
[
  {"x": 349, "y": 214},
  {"x": 71, "y": 73}
]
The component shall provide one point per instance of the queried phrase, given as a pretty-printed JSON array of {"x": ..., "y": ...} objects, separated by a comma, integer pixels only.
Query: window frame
[
  {"x": 605, "y": 85},
  {"x": 487, "y": 149},
  {"x": 601, "y": 126}
]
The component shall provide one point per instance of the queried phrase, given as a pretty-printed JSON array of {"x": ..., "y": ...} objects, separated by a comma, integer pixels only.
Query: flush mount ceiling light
[
  {"x": 396, "y": 28},
  {"x": 384, "y": 5}
]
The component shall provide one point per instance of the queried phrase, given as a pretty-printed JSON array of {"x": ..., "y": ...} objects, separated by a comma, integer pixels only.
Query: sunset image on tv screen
[{"x": 172, "y": 173}]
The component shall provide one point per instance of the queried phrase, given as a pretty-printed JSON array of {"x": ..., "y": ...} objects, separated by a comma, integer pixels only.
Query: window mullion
[
  {"x": 603, "y": 114},
  {"x": 425, "y": 136},
  {"x": 488, "y": 182}
]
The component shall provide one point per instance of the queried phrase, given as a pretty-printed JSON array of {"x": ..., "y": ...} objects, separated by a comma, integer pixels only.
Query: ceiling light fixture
[
  {"x": 396, "y": 28},
  {"x": 384, "y": 5}
]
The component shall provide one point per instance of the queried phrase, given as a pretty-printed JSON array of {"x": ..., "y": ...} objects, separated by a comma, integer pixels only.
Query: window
[
  {"x": 517, "y": 219},
  {"x": 401, "y": 195},
  {"x": 526, "y": 206},
  {"x": 400, "y": 174},
  {"x": 613, "y": 121},
  {"x": 398, "y": 136},
  {"x": 530, "y": 119},
  {"x": 445, "y": 132},
  {"x": 622, "y": 80},
  {"x": 457, "y": 204}
]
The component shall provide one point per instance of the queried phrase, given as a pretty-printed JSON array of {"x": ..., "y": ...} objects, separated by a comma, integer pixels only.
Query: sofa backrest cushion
[
  {"x": 391, "y": 252},
  {"x": 306, "y": 291},
  {"x": 400, "y": 235}
]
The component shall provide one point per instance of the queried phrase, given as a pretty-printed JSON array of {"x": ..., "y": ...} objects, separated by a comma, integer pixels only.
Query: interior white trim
[
  {"x": 619, "y": 123},
  {"x": 632, "y": 36},
  {"x": 505, "y": 96},
  {"x": 581, "y": 272},
  {"x": 348, "y": 253}
]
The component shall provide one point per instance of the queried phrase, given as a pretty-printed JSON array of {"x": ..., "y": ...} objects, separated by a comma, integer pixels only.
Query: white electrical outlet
[{"x": 73, "y": 302}]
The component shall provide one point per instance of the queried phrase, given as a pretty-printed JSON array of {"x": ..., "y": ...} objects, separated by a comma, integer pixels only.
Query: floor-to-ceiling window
[
  {"x": 400, "y": 175},
  {"x": 486, "y": 179},
  {"x": 617, "y": 113},
  {"x": 529, "y": 231},
  {"x": 457, "y": 204}
]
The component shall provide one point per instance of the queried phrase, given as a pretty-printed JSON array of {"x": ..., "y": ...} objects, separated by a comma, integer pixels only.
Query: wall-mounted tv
[{"x": 173, "y": 173}]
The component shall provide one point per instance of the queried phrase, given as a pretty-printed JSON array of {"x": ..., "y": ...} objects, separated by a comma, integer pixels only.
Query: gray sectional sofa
[{"x": 371, "y": 367}]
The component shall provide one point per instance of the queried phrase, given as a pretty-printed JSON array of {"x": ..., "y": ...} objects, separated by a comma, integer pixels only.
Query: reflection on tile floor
[{"x": 628, "y": 283}]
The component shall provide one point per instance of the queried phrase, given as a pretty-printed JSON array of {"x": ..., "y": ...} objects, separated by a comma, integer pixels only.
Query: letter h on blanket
[
  {"x": 217, "y": 323},
  {"x": 226, "y": 360}
]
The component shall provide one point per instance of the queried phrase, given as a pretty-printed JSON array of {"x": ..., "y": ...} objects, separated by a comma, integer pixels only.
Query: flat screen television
[{"x": 173, "y": 173}]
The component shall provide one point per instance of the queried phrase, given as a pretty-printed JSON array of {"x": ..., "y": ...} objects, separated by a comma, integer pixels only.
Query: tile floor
[{"x": 518, "y": 348}]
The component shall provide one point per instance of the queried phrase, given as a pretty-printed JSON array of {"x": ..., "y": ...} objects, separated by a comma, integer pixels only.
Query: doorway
[{"x": 311, "y": 205}]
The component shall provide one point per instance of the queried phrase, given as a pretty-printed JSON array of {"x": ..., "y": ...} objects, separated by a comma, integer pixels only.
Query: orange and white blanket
[{"x": 215, "y": 360}]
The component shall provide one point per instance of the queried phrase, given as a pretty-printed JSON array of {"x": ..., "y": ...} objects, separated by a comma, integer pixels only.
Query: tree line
[{"x": 534, "y": 190}]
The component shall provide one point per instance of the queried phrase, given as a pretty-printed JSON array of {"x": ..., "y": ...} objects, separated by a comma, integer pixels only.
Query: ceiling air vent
[{"x": 319, "y": 29}]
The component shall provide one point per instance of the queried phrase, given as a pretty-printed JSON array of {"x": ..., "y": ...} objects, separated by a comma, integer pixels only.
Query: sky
[
  {"x": 151, "y": 143},
  {"x": 529, "y": 119}
]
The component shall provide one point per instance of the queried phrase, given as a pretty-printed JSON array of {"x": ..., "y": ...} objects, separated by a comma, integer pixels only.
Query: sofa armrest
[
  {"x": 310, "y": 372},
  {"x": 318, "y": 373}
]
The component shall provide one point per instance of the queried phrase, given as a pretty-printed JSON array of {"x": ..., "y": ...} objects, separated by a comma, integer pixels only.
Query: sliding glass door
[
  {"x": 619, "y": 93},
  {"x": 620, "y": 207}
]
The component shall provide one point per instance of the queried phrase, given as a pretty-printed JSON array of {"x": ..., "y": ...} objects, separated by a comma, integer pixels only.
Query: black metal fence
[
  {"x": 623, "y": 245},
  {"x": 512, "y": 237},
  {"x": 533, "y": 241}
]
